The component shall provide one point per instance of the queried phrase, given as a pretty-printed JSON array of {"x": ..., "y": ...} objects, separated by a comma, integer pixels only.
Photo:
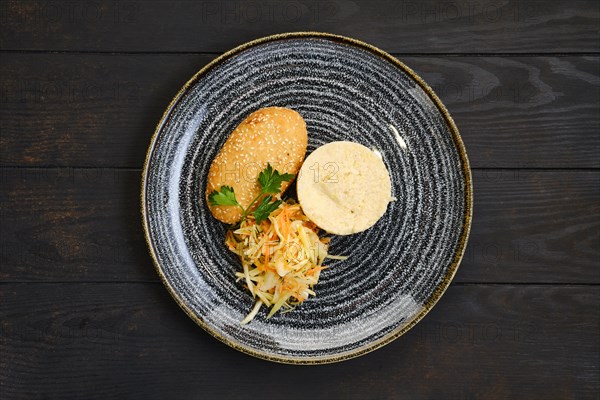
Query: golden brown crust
[{"x": 274, "y": 135}]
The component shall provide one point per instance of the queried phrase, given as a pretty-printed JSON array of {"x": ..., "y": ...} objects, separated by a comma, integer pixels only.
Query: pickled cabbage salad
[{"x": 282, "y": 258}]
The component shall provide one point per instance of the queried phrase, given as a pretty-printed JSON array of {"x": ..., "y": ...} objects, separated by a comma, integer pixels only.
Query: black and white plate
[{"x": 345, "y": 90}]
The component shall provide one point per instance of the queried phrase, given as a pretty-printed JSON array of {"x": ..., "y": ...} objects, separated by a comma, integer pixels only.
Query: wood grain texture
[
  {"x": 534, "y": 226},
  {"x": 82, "y": 311},
  {"x": 72, "y": 224},
  {"x": 86, "y": 110},
  {"x": 213, "y": 25},
  {"x": 100, "y": 110},
  {"x": 132, "y": 341},
  {"x": 521, "y": 112},
  {"x": 85, "y": 225}
]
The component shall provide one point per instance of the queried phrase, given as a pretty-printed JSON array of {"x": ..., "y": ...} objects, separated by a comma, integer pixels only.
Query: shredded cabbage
[{"x": 282, "y": 258}]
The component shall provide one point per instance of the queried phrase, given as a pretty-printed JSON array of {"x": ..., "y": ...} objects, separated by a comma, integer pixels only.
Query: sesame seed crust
[{"x": 274, "y": 135}]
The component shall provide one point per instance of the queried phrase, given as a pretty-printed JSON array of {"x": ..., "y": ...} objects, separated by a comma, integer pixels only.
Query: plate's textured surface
[{"x": 344, "y": 90}]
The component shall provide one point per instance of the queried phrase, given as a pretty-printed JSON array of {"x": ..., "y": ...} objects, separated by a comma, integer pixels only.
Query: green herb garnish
[
  {"x": 270, "y": 181},
  {"x": 225, "y": 197},
  {"x": 265, "y": 208}
]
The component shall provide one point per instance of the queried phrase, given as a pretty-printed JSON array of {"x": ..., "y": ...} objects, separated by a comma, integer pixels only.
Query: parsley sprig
[{"x": 270, "y": 181}]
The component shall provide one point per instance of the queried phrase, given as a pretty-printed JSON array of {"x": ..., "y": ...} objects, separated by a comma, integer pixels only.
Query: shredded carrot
[
  {"x": 266, "y": 252},
  {"x": 281, "y": 257},
  {"x": 284, "y": 222}
]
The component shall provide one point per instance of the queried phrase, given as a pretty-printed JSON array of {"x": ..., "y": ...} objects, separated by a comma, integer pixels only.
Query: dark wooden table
[{"x": 83, "y": 313}]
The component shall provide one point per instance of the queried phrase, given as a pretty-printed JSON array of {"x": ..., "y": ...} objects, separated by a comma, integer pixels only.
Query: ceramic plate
[{"x": 345, "y": 90}]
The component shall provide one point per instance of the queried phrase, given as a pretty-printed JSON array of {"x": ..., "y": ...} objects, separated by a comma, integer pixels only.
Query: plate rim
[{"x": 467, "y": 217}]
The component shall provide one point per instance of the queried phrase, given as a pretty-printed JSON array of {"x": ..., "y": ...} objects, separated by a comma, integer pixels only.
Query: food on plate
[
  {"x": 344, "y": 187},
  {"x": 269, "y": 181},
  {"x": 279, "y": 247},
  {"x": 282, "y": 258},
  {"x": 274, "y": 135}
]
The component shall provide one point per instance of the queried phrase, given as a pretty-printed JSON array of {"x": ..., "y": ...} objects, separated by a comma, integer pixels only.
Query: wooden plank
[
  {"x": 72, "y": 224},
  {"x": 100, "y": 110},
  {"x": 86, "y": 110},
  {"x": 433, "y": 26},
  {"x": 521, "y": 112},
  {"x": 84, "y": 225},
  {"x": 534, "y": 226},
  {"x": 132, "y": 341}
]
